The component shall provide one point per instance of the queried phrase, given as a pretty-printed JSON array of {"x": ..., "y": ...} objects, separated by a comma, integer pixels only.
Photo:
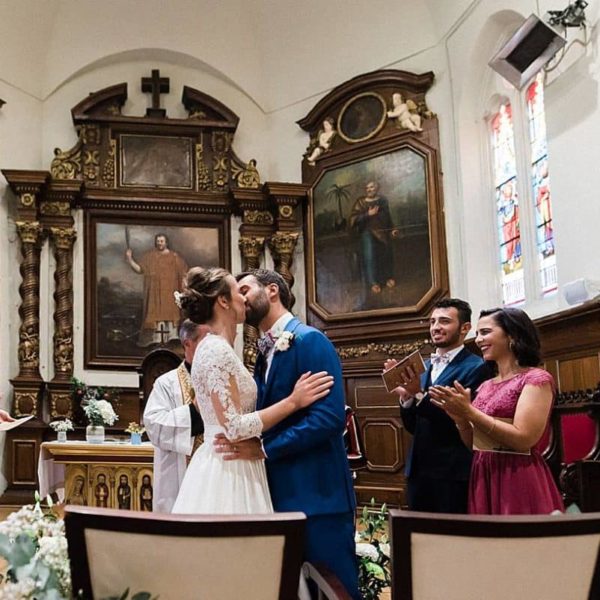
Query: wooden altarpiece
[
  {"x": 129, "y": 175},
  {"x": 376, "y": 247}
]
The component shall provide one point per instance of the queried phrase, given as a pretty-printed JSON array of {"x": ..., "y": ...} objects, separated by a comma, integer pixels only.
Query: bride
[{"x": 226, "y": 397}]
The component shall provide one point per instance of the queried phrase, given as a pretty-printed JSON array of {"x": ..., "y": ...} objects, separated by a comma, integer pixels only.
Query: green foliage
[{"x": 372, "y": 549}]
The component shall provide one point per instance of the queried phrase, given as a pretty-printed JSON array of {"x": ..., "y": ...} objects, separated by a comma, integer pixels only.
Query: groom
[{"x": 306, "y": 460}]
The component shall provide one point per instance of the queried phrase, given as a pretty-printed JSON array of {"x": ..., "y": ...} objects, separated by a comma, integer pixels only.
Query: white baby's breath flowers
[{"x": 62, "y": 425}]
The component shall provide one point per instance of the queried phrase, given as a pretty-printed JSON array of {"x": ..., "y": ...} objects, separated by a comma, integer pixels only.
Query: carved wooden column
[
  {"x": 23, "y": 444},
  {"x": 257, "y": 225},
  {"x": 286, "y": 197},
  {"x": 28, "y": 186},
  {"x": 56, "y": 214}
]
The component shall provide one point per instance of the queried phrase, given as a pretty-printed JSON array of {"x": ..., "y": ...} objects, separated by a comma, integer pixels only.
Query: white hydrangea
[
  {"x": 106, "y": 410},
  {"x": 367, "y": 551},
  {"x": 53, "y": 551}
]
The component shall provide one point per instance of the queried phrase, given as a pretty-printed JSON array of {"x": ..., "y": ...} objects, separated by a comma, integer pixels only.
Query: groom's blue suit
[{"x": 306, "y": 463}]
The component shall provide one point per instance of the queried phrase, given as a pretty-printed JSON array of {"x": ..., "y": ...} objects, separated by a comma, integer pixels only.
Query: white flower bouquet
[
  {"x": 33, "y": 543},
  {"x": 62, "y": 425},
  {"x": 99, "y": 412}
]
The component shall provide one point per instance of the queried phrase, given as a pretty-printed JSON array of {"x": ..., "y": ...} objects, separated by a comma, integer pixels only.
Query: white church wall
[{"x": 571, "y": 145}]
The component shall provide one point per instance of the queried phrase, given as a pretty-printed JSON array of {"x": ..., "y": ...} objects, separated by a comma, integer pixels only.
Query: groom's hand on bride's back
[{"x": 250, "y": 449}]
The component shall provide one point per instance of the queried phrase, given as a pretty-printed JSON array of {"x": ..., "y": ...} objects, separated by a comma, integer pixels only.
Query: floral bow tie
[
  {"x": 265, "y": 344},
  {"x": 440, "y": 359}
]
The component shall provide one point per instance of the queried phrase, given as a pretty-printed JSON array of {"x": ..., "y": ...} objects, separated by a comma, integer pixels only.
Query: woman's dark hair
[
  {"x": 516, "y": 324},
  {"x": 201, "y": 288}
]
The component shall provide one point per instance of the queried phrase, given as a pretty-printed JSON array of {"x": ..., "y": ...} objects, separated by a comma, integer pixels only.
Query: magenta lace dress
[{"x": 511, "y": 484}]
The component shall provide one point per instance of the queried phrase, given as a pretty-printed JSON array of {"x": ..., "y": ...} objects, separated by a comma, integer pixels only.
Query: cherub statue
[
  {"x": 322, "y": 142},
  {"x": 405, "y": 113}
]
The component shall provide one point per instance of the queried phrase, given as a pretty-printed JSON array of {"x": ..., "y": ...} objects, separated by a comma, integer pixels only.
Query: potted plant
[
  {"x": 136, "y": 432},
  {"x": 99, "y": 413},
  {"x": 61, "y": 428}
]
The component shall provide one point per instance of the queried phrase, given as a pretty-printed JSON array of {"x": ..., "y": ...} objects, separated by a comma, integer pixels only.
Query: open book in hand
[
  {"x": 394, "y": 376},
  {"x": 484, "y": 443}
]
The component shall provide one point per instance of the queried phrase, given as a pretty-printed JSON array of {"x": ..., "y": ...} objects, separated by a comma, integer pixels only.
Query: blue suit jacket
[
  {"x": 437, "y": 452},
  {"x": 307, "y": 464}
]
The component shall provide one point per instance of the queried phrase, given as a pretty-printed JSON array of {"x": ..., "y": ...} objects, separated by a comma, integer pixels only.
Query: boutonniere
[{"x": 284, "y": 341}]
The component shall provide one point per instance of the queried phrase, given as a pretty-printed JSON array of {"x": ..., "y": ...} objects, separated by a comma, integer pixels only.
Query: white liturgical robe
[{"x": 169, "y": 426}]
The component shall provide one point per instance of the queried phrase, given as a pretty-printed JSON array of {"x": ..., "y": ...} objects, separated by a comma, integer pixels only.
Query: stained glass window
[
  {"x": 540, "y": 183},
  {"x": 507, "y": 206}
]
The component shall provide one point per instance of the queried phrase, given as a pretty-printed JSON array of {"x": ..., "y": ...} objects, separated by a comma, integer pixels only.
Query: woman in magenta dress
[{"x": 517, "y": 479}]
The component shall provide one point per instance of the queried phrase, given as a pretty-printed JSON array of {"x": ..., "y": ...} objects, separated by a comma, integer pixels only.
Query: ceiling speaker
[{"x": 527, "y": 51}]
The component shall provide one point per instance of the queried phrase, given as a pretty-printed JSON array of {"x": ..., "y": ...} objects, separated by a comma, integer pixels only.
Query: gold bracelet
[
  {"x": 465, "y": 427},
  {"x": 492, "y": 427}
]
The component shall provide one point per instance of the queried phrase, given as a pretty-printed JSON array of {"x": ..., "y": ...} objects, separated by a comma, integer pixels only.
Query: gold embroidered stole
[{"x": 188, "y": 395}]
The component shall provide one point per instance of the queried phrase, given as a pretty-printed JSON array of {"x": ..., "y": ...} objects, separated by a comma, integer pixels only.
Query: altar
[{"x": 109, "y": 475}]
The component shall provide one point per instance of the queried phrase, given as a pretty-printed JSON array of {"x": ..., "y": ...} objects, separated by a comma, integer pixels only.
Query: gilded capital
[
  {"x": 29, "y": 231},
  {"x": 63, "y": 237},
  {"x": 251, "y": 247},
  {"x": 283, "y": 243}
]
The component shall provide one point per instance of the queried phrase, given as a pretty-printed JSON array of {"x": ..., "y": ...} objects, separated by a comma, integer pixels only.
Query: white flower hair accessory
[
  {"x": 178, "y": 297},
  {"x": 284, "y": 341}
]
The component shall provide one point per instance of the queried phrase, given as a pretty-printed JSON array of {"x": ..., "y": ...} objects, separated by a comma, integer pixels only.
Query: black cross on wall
[{"x": 155, "y": 85}]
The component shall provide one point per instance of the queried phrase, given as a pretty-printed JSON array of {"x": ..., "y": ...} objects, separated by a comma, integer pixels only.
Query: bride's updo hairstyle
[{"x": 201, "y": 288}]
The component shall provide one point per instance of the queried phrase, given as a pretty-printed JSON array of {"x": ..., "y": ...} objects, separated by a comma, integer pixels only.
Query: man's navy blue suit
[{"x": 439, "y": 464}]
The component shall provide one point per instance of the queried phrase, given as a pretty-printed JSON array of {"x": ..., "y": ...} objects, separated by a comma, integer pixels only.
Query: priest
[{"x": 173, "y": 422}]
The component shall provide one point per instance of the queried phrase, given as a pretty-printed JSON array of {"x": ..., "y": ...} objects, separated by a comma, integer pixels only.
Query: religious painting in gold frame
[
  {"x": 386, "y": 263},
  {"x": 130, "y": 280}
]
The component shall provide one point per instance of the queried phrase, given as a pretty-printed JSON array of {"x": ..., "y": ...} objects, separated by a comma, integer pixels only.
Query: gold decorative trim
[
  {"x": 202, "y": 173},
  {"x": 221, "y": 142},
  {"x": 285, "y": 211},
  {"x": 58, "y": 402},
  {"x": 283, "y": 243},
  {"x": 62, "y": 209},
  {"x": 110, "y": 165},
  {"x": 25, "y": 404},
  {"x": 258, "y": 217},
  {"x": 389, "y": 349},
  {"x": 66, "y": 164},
  {"x": 247, "y": 177},
  {"x": 27, "y": 200}
]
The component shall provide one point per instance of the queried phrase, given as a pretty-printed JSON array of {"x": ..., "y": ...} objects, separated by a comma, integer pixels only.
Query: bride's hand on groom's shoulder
[
  {"x": 310, "y": 388},
  {"x": 250, "y": 449}
]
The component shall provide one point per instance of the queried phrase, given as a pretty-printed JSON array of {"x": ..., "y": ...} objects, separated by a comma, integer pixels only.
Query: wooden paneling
[
  {"x": 578, "y": 373},
  {"x": 25, "y": 461}
]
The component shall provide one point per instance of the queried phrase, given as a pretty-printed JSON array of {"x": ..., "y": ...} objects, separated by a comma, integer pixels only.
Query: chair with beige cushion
[
  {"x": 183, "y": 557},
  {"x": 467, "y": 557}
]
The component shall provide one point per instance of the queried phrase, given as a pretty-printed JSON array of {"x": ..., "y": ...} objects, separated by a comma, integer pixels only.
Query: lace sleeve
[
  {"x": 539, "y": 377},
  {"x": 220, "y": 374}
]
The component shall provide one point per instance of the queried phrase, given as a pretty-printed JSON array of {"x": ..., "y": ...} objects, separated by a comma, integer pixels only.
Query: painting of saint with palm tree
[{"x": 371, "y": 241}]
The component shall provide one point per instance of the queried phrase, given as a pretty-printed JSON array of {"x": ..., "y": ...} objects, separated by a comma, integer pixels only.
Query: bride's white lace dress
[{"x": 226, "y": 396}]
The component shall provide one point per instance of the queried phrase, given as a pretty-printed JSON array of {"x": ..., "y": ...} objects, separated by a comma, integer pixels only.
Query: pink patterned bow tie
[
  {"x": 265, "y": 343},
  {"x": 440, "y": 359}
]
